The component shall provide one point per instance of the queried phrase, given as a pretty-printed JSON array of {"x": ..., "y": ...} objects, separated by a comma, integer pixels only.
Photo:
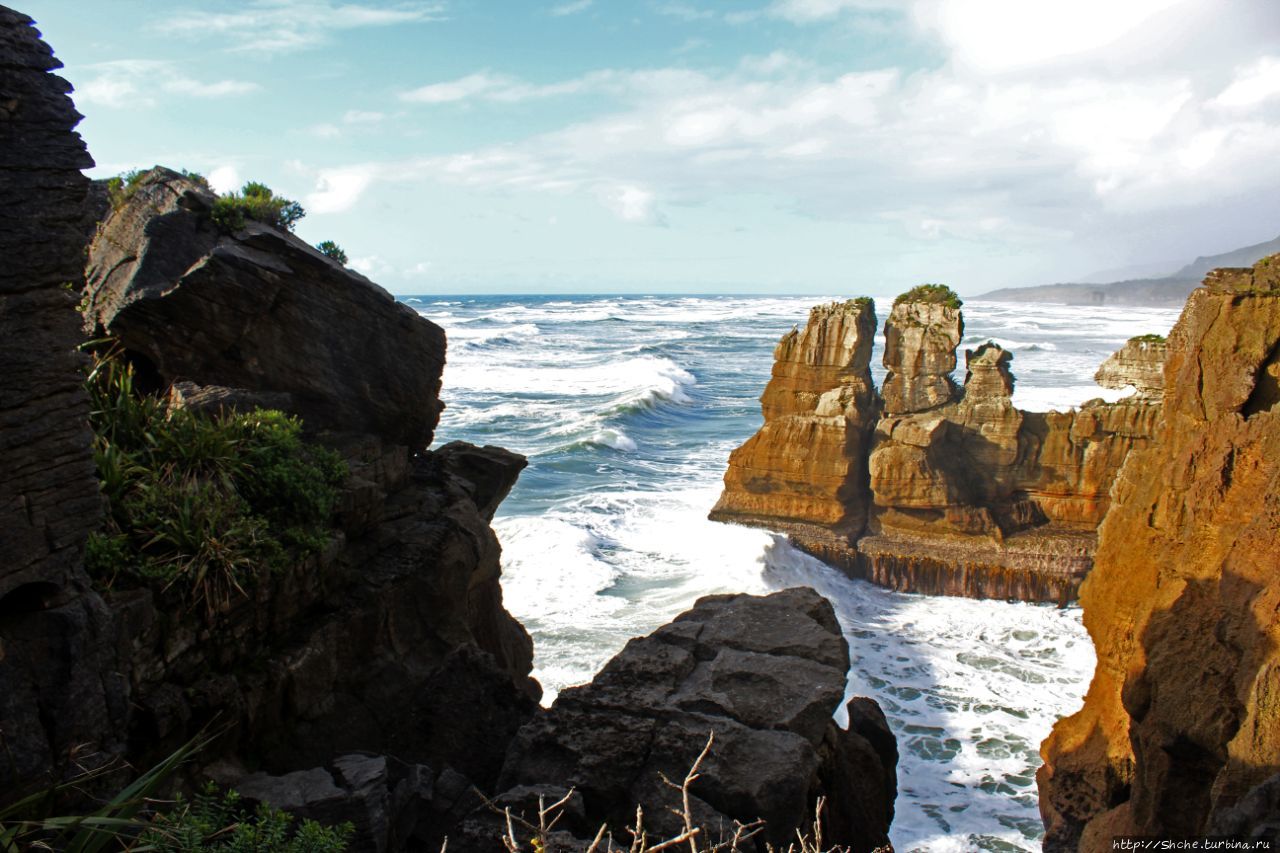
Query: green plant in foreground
[
  {"x": 935, "y": 294},
  {"x": 122, "y": 187},
  {"x": 29, "y": 825},
  {"x": 332, "y": 251},
  {"x": 213, "y": 821},
  {"x": 256, "y": 201},
  {"x": 200, "y": 502}
]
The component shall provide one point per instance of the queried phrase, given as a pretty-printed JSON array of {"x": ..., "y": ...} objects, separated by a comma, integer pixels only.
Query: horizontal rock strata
[
  {"x": 948, "y": 490},
  {"x": 1178, "y": 735}
]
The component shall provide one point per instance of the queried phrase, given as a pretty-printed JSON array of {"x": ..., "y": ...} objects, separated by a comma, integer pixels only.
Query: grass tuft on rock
[
  {"x": 934, "y": 294},
  {"x": 1148, "y": 339},
  {"x": 201, "y": 503}
]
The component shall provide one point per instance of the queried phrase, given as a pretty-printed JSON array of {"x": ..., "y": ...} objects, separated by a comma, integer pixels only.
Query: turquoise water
[{"x": 628, "y": 408}]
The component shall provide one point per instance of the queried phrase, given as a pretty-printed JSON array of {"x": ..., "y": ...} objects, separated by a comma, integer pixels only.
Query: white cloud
[
  {"x": 279, "y": 26},
  {"x": 631, "y": 203},
  {"x": 1253, "y": 84},
  {"x": 224, "y": 179},
  {"x": 417, "y": 270},
  {"x": 571, "y": 8},
  {"x": 363, "y": 117},
  {"x": 138, "y": 83},
  {"x": 810, "y": 11},
  {"x": 457, "y": 90},
  {"x": 339, "y": 189}
]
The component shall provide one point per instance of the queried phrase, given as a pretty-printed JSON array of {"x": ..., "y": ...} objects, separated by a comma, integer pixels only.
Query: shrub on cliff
[
  {"x": 332, "y": 251},
  {"x": 935, "y": 294},
  {"x": 205, "y": 503},
  {"x": 256, "y": 201}
]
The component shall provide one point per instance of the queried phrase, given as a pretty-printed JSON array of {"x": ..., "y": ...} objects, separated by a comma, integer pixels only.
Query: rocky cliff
[
  {"x": 937, "y": 488},
  {"x": 1178, "y": 734},
  {"x": 48, "y": 490},
  {"x": 807, "y": 464},
  {"x": 376, "y": 678}
]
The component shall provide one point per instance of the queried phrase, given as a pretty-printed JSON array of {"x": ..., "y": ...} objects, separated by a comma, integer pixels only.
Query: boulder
[
  {"x": 262, "y": 310},
  {"x": 764, "y": 676}
]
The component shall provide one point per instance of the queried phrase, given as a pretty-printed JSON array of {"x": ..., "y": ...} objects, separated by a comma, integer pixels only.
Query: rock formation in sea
[
  {"x": 1180, "y": 731},
  {"x": 939, "y": 489},
  {"x": 807, "y": 464},
  {"x": 379, "y": 679}
]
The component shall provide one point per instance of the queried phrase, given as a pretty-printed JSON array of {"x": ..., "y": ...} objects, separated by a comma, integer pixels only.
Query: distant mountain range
[{"x": 1169, "y": 290}]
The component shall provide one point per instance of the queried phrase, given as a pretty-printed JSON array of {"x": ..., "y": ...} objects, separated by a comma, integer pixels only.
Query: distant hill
[{"x": 1171, "y": 290}]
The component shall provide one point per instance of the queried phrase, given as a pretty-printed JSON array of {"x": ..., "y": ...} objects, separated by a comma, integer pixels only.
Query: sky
[{"x": 655, "y": 146}]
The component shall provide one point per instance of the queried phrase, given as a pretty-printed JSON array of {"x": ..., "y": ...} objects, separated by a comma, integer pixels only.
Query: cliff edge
[{"x": 1179, "y": 731}]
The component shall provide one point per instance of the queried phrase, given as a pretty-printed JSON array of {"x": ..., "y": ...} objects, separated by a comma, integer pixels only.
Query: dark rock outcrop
[
  {"x": 261, "y": 310},
  {"x": 964, "y": 494},
  {"x": 1180, "y": 721},
  {"x": 58, "y": 692},
  {"x": 764, "y": 675},
  {"x": 48, "y": 492}
]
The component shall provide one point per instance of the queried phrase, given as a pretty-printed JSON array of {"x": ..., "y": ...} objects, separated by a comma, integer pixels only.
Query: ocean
[{"x": 628, "y": 407}]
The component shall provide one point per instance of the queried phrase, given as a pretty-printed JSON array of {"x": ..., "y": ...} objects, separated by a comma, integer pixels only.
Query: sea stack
[
  {"x": 807, "y": 464},
  {"x": 1180, "y": 731},
  {"x": 920, "y": 339},
  {"x": 935, "y": 488}
]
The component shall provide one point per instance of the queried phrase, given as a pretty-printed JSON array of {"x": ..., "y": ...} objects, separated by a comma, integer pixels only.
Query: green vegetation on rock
[
  {"x": 332, "y": 251},
  {"x": 934, "y": 294},
  {"x": 213, "y": 821},
  {"x": 257, "y": 202},
  {"x": 200, "y": 502},
  {"x": 1147, "y": 339}
]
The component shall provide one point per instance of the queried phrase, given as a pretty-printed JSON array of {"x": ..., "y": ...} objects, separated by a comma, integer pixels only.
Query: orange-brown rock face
[
  {"x": 964, "y": 493},
  {"x": 1183, "y": 716},
  {"x": 1139, "y": 363},
  {"x": 807, "y": 464},
  {"x": 920, "y": 339}
]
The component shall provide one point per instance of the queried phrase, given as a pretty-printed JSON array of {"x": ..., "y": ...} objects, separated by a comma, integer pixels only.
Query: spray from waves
[
  {"x": 628, "y": 381},
  {"x": 970, "y": 689},
  {"x": 595, "y": 571}
]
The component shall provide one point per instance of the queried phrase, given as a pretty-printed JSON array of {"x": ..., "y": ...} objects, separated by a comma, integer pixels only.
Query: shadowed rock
[
  {"x": 261, "y": 310},
  {"x": 763, "y": 674}
]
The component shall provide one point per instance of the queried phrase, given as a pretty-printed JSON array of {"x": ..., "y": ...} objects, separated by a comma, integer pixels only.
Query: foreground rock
[
  {"x": 949, "y": 490},
  {"x": 1178, "y": 734},
  {"x": 392, "y": 639},
  {"x": 261, "y": 310},
  {"x": 49, "y": 497},
  {"x": 765, "y": 676}
]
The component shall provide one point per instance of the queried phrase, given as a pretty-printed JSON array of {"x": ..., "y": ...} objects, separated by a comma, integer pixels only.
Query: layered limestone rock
[
  {"x": 807, "y": 464},
  {"x": 1180, "y": 730},
  {"x": 57, "y": 689},
  {"x": 765, "y": 675},
  {"x": 1139, "y": 363},
  {"x": 964, "y": 494},
  {"x": 48, "y": 493},
  {"x": 261, "y": 310},
  {"x": 920, "y": 339}
]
